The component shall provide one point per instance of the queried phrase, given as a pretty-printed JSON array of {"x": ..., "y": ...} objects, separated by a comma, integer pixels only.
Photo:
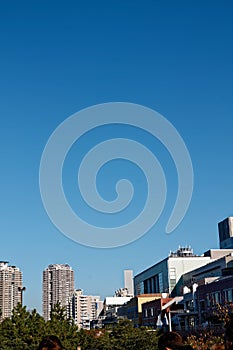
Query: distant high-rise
[
  {"x": 225, "y": 230},
  {"x": 85, "y": 308},
  {"x": 58, "y": 287},
  {"x": 10, "y": 288},
  {"x": 128, "y": 282}
]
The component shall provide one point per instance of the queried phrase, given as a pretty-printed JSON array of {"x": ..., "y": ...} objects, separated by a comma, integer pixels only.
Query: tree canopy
[{"x": 25, "y": 329}]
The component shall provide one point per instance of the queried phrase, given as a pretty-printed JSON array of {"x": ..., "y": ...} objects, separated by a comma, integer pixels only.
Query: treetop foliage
[{"x": 25, "y": 329}]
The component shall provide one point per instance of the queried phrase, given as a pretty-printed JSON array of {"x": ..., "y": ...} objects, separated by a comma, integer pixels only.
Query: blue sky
[{"x": 59, "y": 57}]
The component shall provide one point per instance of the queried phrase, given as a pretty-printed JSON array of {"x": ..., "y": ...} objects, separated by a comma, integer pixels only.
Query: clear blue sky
[{"x": 59, "y": 57}]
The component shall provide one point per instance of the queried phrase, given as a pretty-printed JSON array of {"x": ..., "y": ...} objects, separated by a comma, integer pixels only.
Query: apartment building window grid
[
  {"x": 10, "y": 286},
  {"x": 58, "y": 287}
]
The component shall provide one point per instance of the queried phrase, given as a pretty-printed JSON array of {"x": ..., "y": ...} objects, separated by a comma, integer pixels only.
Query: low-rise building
[
  {"x": 221, "y": 260},
  {"x": 166, "y": 275},
  {"x": 205, "y": 287},
  {"x": 211, "y": 296},
  {"x": 111, "y": 309},
  {"x": 158, "y": 313},
  {"x": 132, "y": 310}
]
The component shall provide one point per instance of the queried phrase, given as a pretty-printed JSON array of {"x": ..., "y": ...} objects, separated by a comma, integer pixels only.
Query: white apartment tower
[
  {"x": 85, "y": 308},
  {"x": 128, "y": 282},
  {"x": 58, "y": 287},
  {"x": 10, "y": 288}
]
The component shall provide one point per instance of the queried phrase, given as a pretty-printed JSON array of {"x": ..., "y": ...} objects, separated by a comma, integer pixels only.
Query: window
[
  {"x": 161, "y": 283},
  {"x": 140, "y": 288},
  {"x": 156, "y": 283},
  {"x": 228, "y": 295},
  {"x": 217, "y": 297},
  {"x": 202, "y": 305},
  {"x": 209, "y": 299},
  {"x": 149, "y": 285},
  {"x": 152, "y": 285},
  {"x": 172, "y": 275},
  {"x": 145, "y": 287}
]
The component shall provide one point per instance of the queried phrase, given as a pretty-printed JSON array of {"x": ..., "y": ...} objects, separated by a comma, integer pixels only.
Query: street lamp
[{"x": 21, "y": 290}]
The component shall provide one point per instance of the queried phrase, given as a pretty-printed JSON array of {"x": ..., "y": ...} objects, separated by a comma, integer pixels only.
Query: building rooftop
[
  {"x": 182, "y": 252},
  {"x": 116, "y": 300}
]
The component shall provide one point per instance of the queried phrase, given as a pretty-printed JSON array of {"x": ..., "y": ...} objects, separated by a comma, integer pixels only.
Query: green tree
[
  {"x": 63, "y": 327},
  {"x": 125, "y": 336},
  {"x": 22, "y": 331}
]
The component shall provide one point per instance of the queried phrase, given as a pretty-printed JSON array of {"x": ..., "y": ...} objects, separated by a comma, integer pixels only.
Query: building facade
[
  {"x": 221, "y": 262},
  {"x": 157, "y": 313},
  {"x": 205, "y": 288},
  {"x": 58, "y": 287},
  {"x": 166, "y": 275},
  {"x": 206, "y": 304},
  {"x": 225, "y": 230},
  {"x": 85, "y": 308},
  {"x": 209, "y": 296},
  {"x": 10, "y": 288},
  {"x": 128, "y": 282},
  {"x": 132, "y": 310}
]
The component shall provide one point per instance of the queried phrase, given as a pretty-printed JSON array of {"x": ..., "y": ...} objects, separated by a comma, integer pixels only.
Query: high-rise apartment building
[
  {"x": 10, "y": 288},
  {"x": 128, "y": 282},
  {"x": 58, "y": 287},
  {"x": 85, "y": 308}
]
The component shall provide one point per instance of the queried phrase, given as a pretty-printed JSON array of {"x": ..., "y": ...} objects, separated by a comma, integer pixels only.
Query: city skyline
[
  {"x": 59, "y": 278},
  {"x": 123, "y": 274},
  {"x": 174, "y": 58}
]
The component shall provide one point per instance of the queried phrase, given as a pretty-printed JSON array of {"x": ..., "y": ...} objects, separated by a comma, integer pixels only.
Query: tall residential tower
[
  {"x": 58, "y": 287},
  {"x": 10, "y": 288}
]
